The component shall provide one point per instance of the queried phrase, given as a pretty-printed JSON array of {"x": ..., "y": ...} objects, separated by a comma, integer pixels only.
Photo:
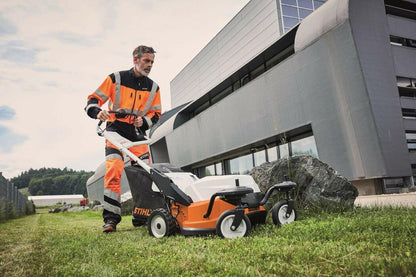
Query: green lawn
[{"x": 361, "y": 242}]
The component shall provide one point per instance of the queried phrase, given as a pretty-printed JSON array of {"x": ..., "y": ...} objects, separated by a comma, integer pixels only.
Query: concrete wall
[
  {"x": 251, "y": 31},
  {"x": 370, "y": 30},
  {"x": 404, "y": 61},
  {"x": 401, "y": 27}
]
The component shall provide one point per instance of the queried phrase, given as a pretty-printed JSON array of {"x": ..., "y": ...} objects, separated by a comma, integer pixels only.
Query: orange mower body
[{"x": 191, "y": 218}]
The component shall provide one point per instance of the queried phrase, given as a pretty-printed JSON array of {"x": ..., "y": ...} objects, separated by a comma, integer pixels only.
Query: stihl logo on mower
[{"x": 141, "y": 211}]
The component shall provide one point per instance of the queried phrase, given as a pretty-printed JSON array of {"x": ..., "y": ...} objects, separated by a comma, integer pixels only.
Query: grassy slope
[{"x": 369, "y": 242}]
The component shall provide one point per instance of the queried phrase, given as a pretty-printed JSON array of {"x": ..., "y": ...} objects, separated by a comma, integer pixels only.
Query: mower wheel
[
  {"x": 225, "y": 222},
  {"x": 161, "y": 223},
  {"x": 279, "y": 215}
]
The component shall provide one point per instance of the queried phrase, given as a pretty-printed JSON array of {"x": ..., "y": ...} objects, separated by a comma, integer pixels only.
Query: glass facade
[
  {"x": 412, "y": 147},
  {"x": 411, "y": 140},
  {"x": 272, "y": 154},
  {"x": 293, "y": 11},
  {"x": 218, "y": 169},
  {"x": 411, "y": 137},
  {"x": 284, "y": 150},
  {"x": 406, "y": 82},
  {"x": 401, "y": 41},
  {"x": 209, "y": 170},
  {"x": 243, "y": 164},
  {"x": 305, "y": 146},
  {"x": 259, "y": 157}
]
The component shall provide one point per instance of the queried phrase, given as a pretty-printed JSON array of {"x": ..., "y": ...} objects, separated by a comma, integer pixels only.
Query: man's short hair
[{"x": 140, "y": 50}]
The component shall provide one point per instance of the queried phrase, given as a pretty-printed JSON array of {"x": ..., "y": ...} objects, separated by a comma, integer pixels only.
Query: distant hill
[{"x": 53, "y": 181}]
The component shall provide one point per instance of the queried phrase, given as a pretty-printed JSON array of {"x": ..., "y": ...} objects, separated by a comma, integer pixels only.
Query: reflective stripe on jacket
[{"x": 123, "y": 90}]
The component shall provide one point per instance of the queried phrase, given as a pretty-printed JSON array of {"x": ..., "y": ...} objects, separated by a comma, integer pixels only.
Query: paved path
[{"x": 400, "y": 199}]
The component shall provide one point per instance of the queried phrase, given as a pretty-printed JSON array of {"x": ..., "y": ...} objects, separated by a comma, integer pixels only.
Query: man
[{"x": 131, "y": 91}]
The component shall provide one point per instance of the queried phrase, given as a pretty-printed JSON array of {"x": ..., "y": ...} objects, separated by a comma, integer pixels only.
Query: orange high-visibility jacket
[{"x": 123, "y": 90}]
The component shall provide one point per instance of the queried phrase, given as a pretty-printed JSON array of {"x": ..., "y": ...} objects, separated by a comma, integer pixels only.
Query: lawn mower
[{"x": 168, "y": 200}]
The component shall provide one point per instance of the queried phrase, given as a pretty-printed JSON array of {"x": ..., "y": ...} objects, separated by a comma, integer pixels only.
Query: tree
[{"x": 52, "y": 181}]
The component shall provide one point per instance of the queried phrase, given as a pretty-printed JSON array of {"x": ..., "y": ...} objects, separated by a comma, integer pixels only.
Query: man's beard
[{"x": 142, "y": 71}]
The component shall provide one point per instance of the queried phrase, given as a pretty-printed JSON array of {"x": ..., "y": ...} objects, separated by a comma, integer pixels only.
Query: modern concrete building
[{"x": 282, "y": 79}]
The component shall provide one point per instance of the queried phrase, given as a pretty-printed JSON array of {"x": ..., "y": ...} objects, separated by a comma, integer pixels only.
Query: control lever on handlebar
[
  {"x": 118, "y": 114},
  {"x": 123, "y": 114}
]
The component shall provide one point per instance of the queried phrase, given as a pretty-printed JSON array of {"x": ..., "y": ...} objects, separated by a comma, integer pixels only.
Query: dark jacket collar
[{"x": 131, "y": 72}]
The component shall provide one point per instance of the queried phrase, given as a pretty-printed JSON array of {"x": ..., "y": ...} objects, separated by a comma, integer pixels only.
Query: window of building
[
  {"x": 308, "y": 4},
  {"x": 304, "y": 13},
  {"x": 289, "y": 2},
  {"x": 210, "y": 170},
  {"x": 290, "y": 22},
  {"x": 401, "y": 8},
  {"x": 279, "y": 57},
  {"x": 259, "y": 157},
  {"x": 284, "y": 150},
  {"x": 290, "y": 11},
  {"x": 236, "y": 85},
  {"x": 400, "y": 41},
  {"x": 411, "y": 136},
  {"x": 411, "y": 140},
  {"x": 411, "y": 42},
  {"x": 404, "y": 82},
  {"x": 412, "y": 147},
  {"x": 258, "y": 71},
  {"x": 245, "y": 80},
  {"x": 305, "y": 146},
  {"x": 218, "y": 169},
  {"x": 406, "y": 92},
  {"x": 201, "y": 108},
  {"x": 221, "y": 95},
  {"x": 294, "y": 11},
  {"x": 407, "y": 87},
  {"x": 409, "y": 113},
  {"x": 241, "y": 165},
  {"x": 272, "y": 154},
  {"x": 396, "y": 40},
  {"x": 317, "y": 4}
]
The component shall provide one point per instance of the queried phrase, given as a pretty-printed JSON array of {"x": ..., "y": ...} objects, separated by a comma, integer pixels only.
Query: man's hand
[
  {"x": 103, "y": 115},
  {"x": 138, "y": 122}
]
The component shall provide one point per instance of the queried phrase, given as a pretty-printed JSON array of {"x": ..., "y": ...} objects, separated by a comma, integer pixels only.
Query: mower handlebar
[
  {"x": 122, "y": 114},
  {"x": 119, "y": 114}
]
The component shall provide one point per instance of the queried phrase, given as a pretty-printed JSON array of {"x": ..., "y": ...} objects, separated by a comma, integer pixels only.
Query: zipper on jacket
[{"x": 134, "y": 101}]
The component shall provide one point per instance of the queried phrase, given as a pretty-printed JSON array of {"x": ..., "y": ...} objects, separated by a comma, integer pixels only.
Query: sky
[{"x": 53, "y": 54}]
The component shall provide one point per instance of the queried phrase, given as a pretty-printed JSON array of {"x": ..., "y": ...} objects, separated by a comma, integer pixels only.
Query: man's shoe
[{"x": 109, "y": 226}]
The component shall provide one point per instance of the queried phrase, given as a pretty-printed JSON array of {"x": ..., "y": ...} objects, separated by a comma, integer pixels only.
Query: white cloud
[{"x": 54, "y": 53}]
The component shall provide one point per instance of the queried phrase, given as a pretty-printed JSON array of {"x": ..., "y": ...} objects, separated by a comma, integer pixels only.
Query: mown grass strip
[{"x": 379, "y": 242}]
